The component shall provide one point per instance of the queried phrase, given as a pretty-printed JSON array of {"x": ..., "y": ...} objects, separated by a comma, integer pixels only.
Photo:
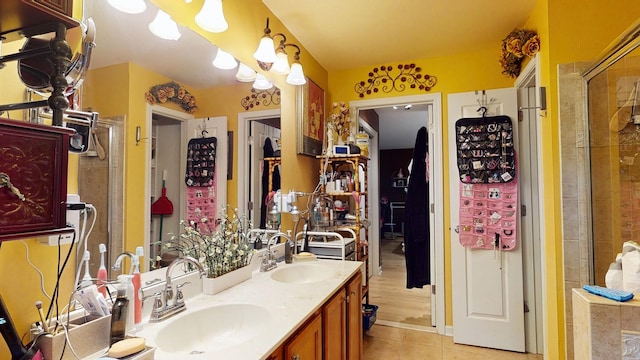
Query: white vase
[{"x": 211, "y": 286}]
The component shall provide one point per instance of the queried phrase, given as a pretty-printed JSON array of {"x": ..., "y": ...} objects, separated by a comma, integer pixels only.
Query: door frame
[
  {"x": 436, "y": 190},
  {"x": 243, "y": 153},
  {"x": 532, "y": 258},
  {"x": 178, "y": 116}
]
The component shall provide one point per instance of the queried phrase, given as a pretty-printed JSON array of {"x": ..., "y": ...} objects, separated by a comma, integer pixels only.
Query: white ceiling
[
  {"x": 123, "y": 37},
  {"x": 344, "y": 34},
  {"x": 339, "y": 34}
]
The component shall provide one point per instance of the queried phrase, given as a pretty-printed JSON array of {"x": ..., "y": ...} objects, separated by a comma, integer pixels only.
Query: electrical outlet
[{"x": 73, "y": 220}]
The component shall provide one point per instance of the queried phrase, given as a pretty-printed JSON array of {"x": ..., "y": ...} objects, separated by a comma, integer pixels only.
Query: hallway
[
  {"x": 398, "y": 306},
  {"x": 390, "y": 343}
]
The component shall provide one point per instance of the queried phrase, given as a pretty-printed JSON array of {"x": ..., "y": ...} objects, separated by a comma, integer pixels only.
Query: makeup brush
[{"x": 42, "y": 319}]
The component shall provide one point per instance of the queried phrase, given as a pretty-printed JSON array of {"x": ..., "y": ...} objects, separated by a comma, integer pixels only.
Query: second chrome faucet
[{"x": 168, "y": 303}]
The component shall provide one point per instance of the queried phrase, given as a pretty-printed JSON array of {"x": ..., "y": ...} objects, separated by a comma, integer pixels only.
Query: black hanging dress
[
  {"x": 416, "y": 230},
  {"x": 275, "y": 179}
]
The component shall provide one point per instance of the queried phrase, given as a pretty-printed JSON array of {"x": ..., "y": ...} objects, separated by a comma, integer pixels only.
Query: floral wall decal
[
  {"x": 520, "y": 43},
  {"x": 172, "y": 92},
  {"x": 264, "y": 97},
  {"x": 383, "y": 79}
]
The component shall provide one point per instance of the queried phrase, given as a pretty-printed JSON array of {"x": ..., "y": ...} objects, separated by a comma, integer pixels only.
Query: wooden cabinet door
[
  {"x": 354, "y": 317},
  {"x": 33, "y": 179},
  {"x": 277, "y": 355},
  {"x": 334, "y": 318},
  {"x": 306, "y": 344}
]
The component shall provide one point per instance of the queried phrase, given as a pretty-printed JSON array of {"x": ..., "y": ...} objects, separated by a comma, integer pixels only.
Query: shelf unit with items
[{"x": 344, "y": 182}]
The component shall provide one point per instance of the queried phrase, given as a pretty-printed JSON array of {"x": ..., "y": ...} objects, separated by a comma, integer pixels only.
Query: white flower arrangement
[{"x": 220, "y": 248}]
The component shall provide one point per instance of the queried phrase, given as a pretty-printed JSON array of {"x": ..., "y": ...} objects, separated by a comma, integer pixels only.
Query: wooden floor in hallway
[
  {"x": 397, "y": 305},
  {"x": 392, "y": 343}
]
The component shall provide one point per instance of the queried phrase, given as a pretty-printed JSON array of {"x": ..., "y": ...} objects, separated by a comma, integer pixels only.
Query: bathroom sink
[
  {"x": 302, "y": 274},
  {"x": 213, "y": 329}
]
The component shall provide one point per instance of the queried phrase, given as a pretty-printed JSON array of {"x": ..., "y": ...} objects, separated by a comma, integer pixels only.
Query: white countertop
[{"x": 289, "y": 305}]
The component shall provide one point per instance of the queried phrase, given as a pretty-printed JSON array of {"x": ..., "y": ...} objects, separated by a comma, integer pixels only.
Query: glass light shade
[
  {"x": 128, "y": 6},
  {"x": 262, "y": 83},
  {"x": 266, "y": 52},
  {"x": 224, "y": 60},
  {"x": 211, "y": 17},
  {"x": 245, "y": 73},
  {"x": 281, "y": 66},
  {"x": 296, "y": 76},
  {"x": 163, "y": 27}
]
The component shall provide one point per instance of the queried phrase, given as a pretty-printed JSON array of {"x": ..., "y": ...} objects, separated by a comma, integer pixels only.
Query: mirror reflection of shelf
[{"x": 400, "y": 182}]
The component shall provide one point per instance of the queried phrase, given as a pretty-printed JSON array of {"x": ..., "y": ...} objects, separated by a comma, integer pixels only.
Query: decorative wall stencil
[
  {"x": 383, "y": 79},
  {"x": 264, "y": 97},
  {"x": 172, "y": 92}
]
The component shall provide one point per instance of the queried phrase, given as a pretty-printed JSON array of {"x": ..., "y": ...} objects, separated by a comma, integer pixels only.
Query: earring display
[
  {"x": 200, "y": 179},
  {"x": 488, "y": 215},
  {"x": 485, "y": 150}
]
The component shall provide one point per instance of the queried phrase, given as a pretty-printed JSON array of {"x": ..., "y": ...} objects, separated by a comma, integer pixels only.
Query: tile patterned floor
[{"x": 390, "y": 343}]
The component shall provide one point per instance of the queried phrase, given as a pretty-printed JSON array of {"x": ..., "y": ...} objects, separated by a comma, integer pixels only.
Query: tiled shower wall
[{"x": 575, "y": 223}]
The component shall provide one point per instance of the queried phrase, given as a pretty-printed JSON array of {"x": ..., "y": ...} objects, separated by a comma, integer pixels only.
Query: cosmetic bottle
[
  {"x": 126, "y": 282},
  {"x": 119, "y": 313}
]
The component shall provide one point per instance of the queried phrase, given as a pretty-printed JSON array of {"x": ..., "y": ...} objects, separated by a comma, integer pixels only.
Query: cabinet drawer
[{"x": 33, "y": 158}]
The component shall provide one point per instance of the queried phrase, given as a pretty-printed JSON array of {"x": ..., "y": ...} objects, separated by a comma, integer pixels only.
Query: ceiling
[
  {"x": 124, "y": 37},
  {"x": 343, "y": 34},
  {"x": 339, "y": 34}
]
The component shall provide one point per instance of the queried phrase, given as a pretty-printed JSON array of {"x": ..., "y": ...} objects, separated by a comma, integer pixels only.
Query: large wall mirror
[{"x": 125, "y": 39}]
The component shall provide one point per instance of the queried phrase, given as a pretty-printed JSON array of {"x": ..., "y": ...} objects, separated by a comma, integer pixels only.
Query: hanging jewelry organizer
[
  {"x": 485, "y": 149},
  {"x": 488, "y": 185},
  {"x": 200, "y": 179}
]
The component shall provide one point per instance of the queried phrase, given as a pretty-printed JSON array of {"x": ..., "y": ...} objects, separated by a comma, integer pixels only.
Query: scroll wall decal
[
  {"x": 383, "y": 79},
  {"x": 172, "y": 92},
  {"x": 261, "y": 97}
]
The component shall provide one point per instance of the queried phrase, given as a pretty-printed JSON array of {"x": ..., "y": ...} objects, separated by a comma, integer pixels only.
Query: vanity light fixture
[
  {"x": 277, "y": 59},
  {"x": 224, "y": 60},
  {"x": 211, "y": 17},
  {"x": 266, "y": 53},
  {"x": 296, "y": 76},
  {"x": 245, "y": 73},
  {"x": 164, "y": 27},
  {"x": 262, "y": 83},
  {"x": 128, "y": 6}
]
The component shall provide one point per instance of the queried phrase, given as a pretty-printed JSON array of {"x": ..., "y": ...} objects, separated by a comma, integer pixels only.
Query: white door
[
  {"x": 214, "y": 127},
  {"x": 488, "y": 305}
]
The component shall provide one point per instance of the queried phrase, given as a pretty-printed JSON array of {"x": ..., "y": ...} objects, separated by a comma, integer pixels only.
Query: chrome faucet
[
  {"x": 269, "y": 257},
  {"x": 166, "y": 303},
  {"x": 117, "y": 264}
]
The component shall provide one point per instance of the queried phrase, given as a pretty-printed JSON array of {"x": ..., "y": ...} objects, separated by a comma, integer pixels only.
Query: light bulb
[
  {"x": 262, "y": 83},
  {"x": 165, "y": 28},
  {"x": 224, "y": 60},
  {"x": 281, "y": 66},
  {"x": 296, "y": 76},
  {"x": 128, "y": 6},
  {"x": 211, "y": 17},
  {"x": 245, "y": 73}
]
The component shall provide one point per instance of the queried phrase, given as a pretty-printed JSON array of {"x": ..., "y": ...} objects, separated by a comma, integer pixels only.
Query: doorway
[{"x": 390, "y": 247}]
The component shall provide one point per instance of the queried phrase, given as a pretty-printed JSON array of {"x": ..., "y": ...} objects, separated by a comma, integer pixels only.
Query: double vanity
[{"x": 304, "y": 309}]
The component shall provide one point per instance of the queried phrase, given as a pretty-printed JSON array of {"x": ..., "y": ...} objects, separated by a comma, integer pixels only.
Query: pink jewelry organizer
[
  {"x": 488, "y": 215},
  {"x": 201, "y": 180}
]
